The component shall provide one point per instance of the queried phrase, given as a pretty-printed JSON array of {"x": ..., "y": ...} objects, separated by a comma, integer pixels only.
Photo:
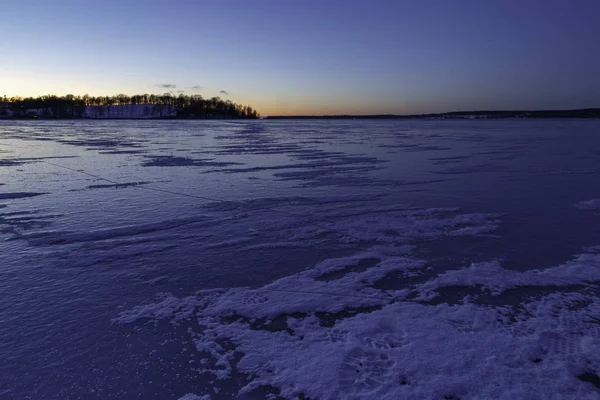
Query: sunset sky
[{"x": 310, "y": 57}]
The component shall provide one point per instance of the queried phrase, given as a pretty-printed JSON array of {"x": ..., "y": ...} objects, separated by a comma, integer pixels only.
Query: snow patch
[
  {"x": 589, "y": 204},
  {"x": 327, "y": 333}
]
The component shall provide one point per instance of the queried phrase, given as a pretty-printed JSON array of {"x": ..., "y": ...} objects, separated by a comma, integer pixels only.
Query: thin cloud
[
  {"x": 180, "y": 91},
  {"x": 224, "y": 92},
  {"x": 197, "y": 87},
  {"x": 166, "y": 85}
]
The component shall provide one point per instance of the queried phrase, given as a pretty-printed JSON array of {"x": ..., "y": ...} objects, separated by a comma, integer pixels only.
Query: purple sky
[{"x": 310, "y": 57}]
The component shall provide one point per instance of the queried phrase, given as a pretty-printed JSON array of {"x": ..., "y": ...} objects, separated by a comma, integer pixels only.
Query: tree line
[{"x": 188, "y": 106}]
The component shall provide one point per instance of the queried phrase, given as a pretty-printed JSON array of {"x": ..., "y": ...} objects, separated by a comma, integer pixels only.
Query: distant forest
[{"x": 71, "y": 106}]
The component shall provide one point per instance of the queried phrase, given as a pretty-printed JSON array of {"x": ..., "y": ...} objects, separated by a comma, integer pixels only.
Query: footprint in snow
[
  {"x": 556, "y": 344},
  {"x": 384, "y": 340},
  {"x": 364, "y": 372},
  {"x": 254, "y": 298}
]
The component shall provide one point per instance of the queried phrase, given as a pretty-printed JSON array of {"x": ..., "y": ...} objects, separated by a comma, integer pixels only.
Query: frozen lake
[{"x": 300, "y": 259}]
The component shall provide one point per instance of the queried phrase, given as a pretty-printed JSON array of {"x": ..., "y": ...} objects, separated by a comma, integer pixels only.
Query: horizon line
[{"x": 476, "y": 112}]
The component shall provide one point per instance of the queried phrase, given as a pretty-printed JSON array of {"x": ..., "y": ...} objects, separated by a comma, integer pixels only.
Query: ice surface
[
  {"x": 304, "y": 259},
  {"x": 191, "y": 396}
]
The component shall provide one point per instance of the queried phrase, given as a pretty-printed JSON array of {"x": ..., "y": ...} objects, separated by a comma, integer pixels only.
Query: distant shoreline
[
  {"x": 121, "y": 106},
  {"x": 170, "y": 112},
  {"x": 537, "y": 114},
  {"x": 121, "y": 111}
]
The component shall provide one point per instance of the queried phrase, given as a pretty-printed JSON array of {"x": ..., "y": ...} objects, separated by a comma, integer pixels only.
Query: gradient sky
[{"x": 310, "y": 57}]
